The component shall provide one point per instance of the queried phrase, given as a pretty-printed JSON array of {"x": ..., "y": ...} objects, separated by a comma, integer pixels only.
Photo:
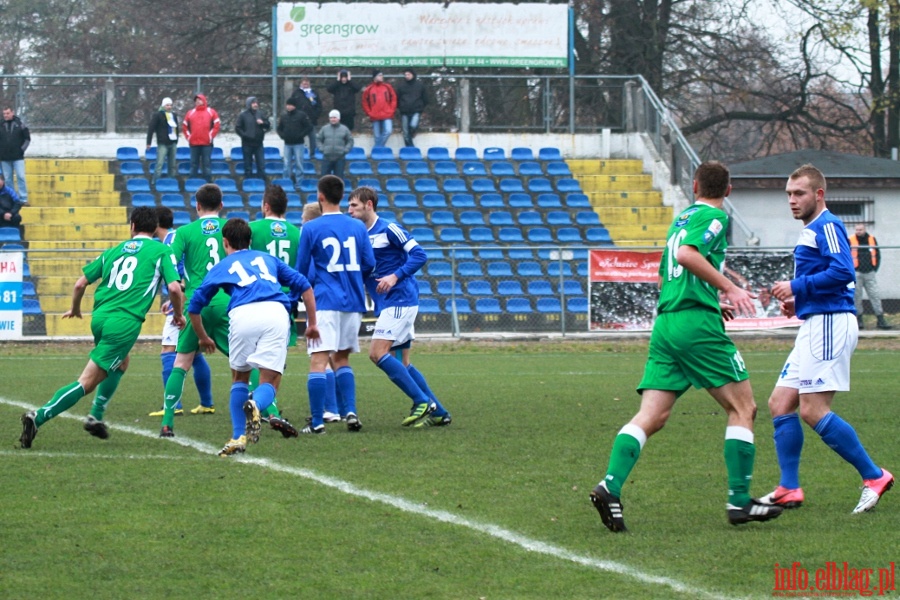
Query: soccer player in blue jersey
[
  {"x": 165, "y": 232},
  {"x": 393, "y": 288},
  {"x": 821, "y": 294},
  {"x": 338, "y": 247},
  {"x": 260, "y": 323}
]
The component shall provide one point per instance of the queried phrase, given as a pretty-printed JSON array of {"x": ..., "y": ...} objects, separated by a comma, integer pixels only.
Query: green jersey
[
  {"x": 276, "y": 237},
  {"x": 703, "y": 227},
  {"x": 199, "y": 244},
  {"x": 130, "y": 275}
]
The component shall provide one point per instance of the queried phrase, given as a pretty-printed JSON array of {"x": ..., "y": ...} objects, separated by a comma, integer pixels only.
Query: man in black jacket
[
  {"x": 344, "y": 91},
  {"x": 293, "y": 127},
  {"x": 306, "y": 99},
  {"x": 10, "y": 205},
  {"x": 411, "y": 101},
  {"x": 14, "y": 140},
  {"x": 251, "y": 126},
  {"x": 164, "y": 123}
]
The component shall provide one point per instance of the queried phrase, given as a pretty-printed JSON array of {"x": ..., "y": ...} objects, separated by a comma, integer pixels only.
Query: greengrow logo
[{"x": 344, "y": 30}]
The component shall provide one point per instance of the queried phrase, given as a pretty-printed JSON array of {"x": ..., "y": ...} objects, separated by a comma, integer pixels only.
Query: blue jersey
[
  {"x": 249, "y": 276},
  {"x": 339, "y": 249},
  {"x": 824, "y": 279},
  {"x": 397, "y": 253}
]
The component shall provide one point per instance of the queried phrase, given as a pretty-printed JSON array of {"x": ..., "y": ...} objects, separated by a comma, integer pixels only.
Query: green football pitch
[{"x": 494, "y": 506}]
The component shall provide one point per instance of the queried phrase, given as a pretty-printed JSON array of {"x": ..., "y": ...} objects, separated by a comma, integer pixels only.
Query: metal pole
[
  {"x": 571, "y": 68},
  {"x": 275, "y": 104}
]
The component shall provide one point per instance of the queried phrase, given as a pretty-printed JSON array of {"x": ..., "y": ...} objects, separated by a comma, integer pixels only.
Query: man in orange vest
[{"x": 866, "y": 260}]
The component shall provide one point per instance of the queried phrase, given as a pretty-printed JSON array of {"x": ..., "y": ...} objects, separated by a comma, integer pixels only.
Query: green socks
[
  {"x": 174, "y": 389},
  {"x": 105, "y": 391},
  {"x": 65, "y": 398},
  {"x": 625, "y": 453},
  {"x": 739, "y": 457}
]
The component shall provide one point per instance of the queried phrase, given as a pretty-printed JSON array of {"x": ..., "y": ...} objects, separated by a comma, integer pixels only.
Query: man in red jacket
[
  {"x": 379, "y": 101},
  {"x": 201, "y": 125}
]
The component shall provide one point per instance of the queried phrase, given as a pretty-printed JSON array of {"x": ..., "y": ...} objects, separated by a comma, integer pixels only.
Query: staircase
[
  {"x": 74, "y": 214},
  {"x": 624, "y": 198}
]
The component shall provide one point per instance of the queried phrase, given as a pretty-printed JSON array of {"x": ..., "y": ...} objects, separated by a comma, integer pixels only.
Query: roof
[{"x": 832, "y": 164}]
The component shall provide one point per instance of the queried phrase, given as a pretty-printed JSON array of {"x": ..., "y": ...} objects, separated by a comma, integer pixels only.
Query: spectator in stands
[
  {"x": 14, "y": 141},
  {"x": 866, "y": 260},
  {"x": 164, "y": 123},
  {"x": 293, "y": 127},
  {"x": 344, "y": 91},
  {"x": 336, "y": 141},
  {"x": 379, "y": 101},
  {"x": 10, "y": 205},
  {"x": 307, "y": 100},
  {"x": 251, "y": 127},
  {"x": 201, "y": 125},
  {"x": 411, "y": 101}
]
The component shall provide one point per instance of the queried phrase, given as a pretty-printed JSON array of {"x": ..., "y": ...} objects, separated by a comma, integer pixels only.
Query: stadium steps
[
  {"x": 67, "y": 215},
  {"x": 651, "y": 198},
  {"x": 56, "y": 325},
  {"x": 82, "y": 231},
  {"x": 605, "y": 167}
]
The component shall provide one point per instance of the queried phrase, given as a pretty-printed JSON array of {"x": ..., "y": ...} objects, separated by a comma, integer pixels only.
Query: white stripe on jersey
[
  {"x": 807, "y": 238},
  {"x": 379, "y": 240},
  {"x": 831, "y": 236},
  {"x": 410, "y": 245},
  {"x": 399, "y": 232},
  {"x": 154, "y": 285}
]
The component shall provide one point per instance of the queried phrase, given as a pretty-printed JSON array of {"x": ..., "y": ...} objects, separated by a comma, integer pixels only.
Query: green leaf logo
[{"x": 298, "y": 13}]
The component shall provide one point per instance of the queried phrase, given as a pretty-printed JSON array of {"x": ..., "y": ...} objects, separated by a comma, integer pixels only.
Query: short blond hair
[
  {"x": 311, "y": 211},
  {"x": 813, "y": 174}
]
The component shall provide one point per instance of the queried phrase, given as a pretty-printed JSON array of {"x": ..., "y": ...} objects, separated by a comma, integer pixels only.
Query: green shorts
[
  {"x": 114, "y": 337},
  {"x": 215, "y": 321},
  {"x": 690, "y": 348}
]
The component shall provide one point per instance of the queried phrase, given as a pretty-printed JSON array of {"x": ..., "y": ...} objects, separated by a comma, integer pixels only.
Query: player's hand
[
  {"x": 787, "y": 308},
  {"x": 166, "y": 308},
  {"x": 313, "y": 338},
  {"x": 740, "y": 301},
  {"x": 179, "y": 321},
  {"x": 207, "y": 345},
  {"x": 782, "y": 290},
  {"x": 386, "y": 283},
  {"x": 727, "y": 311},
  {"x": 72, "y": 313}
]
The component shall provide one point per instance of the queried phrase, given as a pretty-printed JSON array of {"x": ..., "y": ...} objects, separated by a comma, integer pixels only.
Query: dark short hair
[
  {"x": 209, "y": 196},
  {"x": 237, "y": 232},
  {"x": 165, "y": 216},
  {"x": 276, "y": 198},
  {"x": 332, "y": 188},
  {"x": 365, "y": 194},
  {"x": 144, "y": 220},
  {"x": 712, "y": 179}
]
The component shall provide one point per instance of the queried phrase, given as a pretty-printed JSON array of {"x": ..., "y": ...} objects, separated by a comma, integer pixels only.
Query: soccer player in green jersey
[
  {"x": 689, "y": 347},
  {"x": 199, "y": 245},
  {"x": 129, "y": 276}
]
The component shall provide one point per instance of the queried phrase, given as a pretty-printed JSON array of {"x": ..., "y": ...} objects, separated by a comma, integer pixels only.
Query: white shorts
[
  {"x": 820, "y": 360},
  {"x": 338, "y": 330},
  {"x": 258, "y": 335},
  {"x": 170, "y": 332},
  {"x": 396, "y": 323}
]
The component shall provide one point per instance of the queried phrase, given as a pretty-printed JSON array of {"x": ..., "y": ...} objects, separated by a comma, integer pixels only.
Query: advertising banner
[{"x": 11, "y": 295}]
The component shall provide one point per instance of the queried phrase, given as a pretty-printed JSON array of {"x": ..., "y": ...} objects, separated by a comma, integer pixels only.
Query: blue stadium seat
[
  {"x": 558, "y": 169},
  {"x": 183, "y": 153},
  {"x": 598, "y": 235},
  {"x": 309, "y": 168},
  {"x": 494, "y": 153},
  {"x": 530, "y": 169},
  {"x": 510, "y": 287},
  {"x": 236, "y": 154},
  {"x": 488, "y": 306},
  {"x": 286, "y": 184},
  {"x": 307, "y": 185},
  {"x": 417, "y": 167},
  {"x": 356, "y": 153},
  {"x": 381, "y": 153},
  {"x": 521, "y": 254},
  {"x": 500, "y": 218},
  {"x": 369, "y": 182},
  {"x": 530, "y": 217},
  {"x": 174, "y": 201},
  {"x": 127, "y": 153},
  {"x": 471, "y": 217},
  {"x": 549, "y": 154},
  {"x": 397, "y": 184},
  {"x": 539, "y": 185},
  {"x": 462, "y": 306},
  {"x": 549, "y": 201},
  {"x": 511, "y": 185},
  {"x": 151, "y": 153},
  {"x": 434, "y": 253},
  {"x": 424, "y": 287},
  {"x": 520, "y": 200},
  {"x": 569, "y": 235},
  {"x": 481, "y": 235},
  {"x": 238, "y": 214},
  {"x": 582, "y": 269},
  {"x": 577, "y": 305},
  {"x": 463, "y": 154},
  {"x": 474, "y": 169},
  {"x": 565, "y": 186},
  {"x": 555, "y": 269},
  {"x": 455, "y": 186},
  {"x": 434, "y": 201},
  {"x": 272, "y": 153},
  {"x": 462, "y": 201},
  {"x": 28, "y": 289},
  {"x": 361, "y": 167},
  {"x": 426, "y": 185},
  {"x": 231, "y": 201},
  {"x": 539, "y": 235},
  {"x": 143, "y": 199},
  {"x": 571, "y": 287},
  {"x": 445, "y": 287},
  {"x": 539, "y": 287},
  {"x": 469, "y": 269},
  {"x": 405, "y": 201},
  {"x": 438, "y": 153},
  {"x": 500, "y": 269},
  {"x": 184, "y": 167},
  {"x": 491, "y": 201},
  {"x": 10, "y": 234},
  {"x": 255, "y": 199},
  {"x": 217, "y": 153},
  {"x": 220, "y": 167},
  {"x": 429, "y": 306},
  {"x": 479, "y": 287},
  {"x": 390, "y": 168},
  {"x": 388, "y": 215},
  {"x": 442, "y": 218},
  {"x": 180, "y": 217},
  {"x": 452, "y": 235},
  {"x": 578, "y": 201},
  {"x": 167, "y": 184},
  {"x": 274, "y": 168},
  {"x": 294, "y": 217},
  {"x": 521, "y": 154},
  {"x": 558, "y": 217},
  {"x": 192, "y": 185},
  {"x": 410, "y": 153},
  {"x": 445, "y": 167},
  {"x": 31, "y": 306},
  {"x": 587, "y": 217},
  {"x": 489, "y": 252},
  {"x": 483, "y": 186},
  {"x": 423, "y": 234},
  {"x": 461, "y": 253},
  {"x": 529, "y": 268},
  {"x": 439, "y": 268},
  {"x": 250, "y": 185},
  {"x": 413, "y": 218},
  {"x": 229, "y": 185},
  {"x": 501, "y": 168},
  {"x": 131, "y": 168},
  {"x": 519, "y": 306},
  {"x": 548, "y": 305}
]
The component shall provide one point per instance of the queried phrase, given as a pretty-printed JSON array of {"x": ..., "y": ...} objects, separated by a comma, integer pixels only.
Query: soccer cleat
[
  {"x": 282, "y": 426},
  {"x": 251, "y": 413},
  {"x": 96, "y": 428},
  {"x": 320, "y": 430},
  {"x": 203, "y": 410},
  {"x": 353, "y": 422},
  {"x": 159, "y": 413},
  {"x": 432, "y": 421},
  {"x": 234, "y": 447},
  {"x": 166, "y": 431},
  {"x": 784, "y": 497},
  {"x": 29, "y": 429},
  {"x": 873, "y": 490},
  {"x": 609, "y": 507},
  {"x": 753, "y": 511},
  {"x": 330, "y": 417},
  {"x": 419, "y": 411}
]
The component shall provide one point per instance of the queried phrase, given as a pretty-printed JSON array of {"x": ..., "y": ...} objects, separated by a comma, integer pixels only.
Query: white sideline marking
[{"x": 506, "y": 535}]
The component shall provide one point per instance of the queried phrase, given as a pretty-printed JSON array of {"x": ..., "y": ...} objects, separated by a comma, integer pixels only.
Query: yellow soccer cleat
[
  {"x": 203, "y": 410},
  {"x": 158, "y": 413},
  {"x": 237, "y": 446}
]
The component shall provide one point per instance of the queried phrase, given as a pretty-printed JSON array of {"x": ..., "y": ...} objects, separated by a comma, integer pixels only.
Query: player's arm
[
  {"x": 176, "y": 300},
  {"x": 739, "y": 300},
  {"x": 312, "y": 328},
  {"x": 199, "y": 301},
  {"x": 77, "y": 295},
  {"x": 835, "y": 248}
]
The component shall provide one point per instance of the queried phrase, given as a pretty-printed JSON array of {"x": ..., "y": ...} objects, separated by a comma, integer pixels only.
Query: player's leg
[
  {"x": 105, "y": 391},
  {"x": 441, "y": 416},
  {"x": 788, "y": 437},
  {"x": 333, "y": 411},
  {"x": 203, "y": 381},
  {"x": 167, "y": 360},
  {"x": 319, "y": 356},
  {"x": 344, "y": 379},
  {"x": 394, "y": 328}
]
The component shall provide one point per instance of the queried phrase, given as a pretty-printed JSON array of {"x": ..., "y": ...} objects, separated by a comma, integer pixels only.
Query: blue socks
[
  {"x": 240, "y": 392},
  {"x": 315, "y": 386},
  {"x": 203, "y": 379},
  {"x": 402, "y": 378},
  {"x": 331, "y": 402},
  {"x": 345, "y": 386},
  {"x": 842, "y": 438},
  {"x": 423, "y": 385},
  {"x": 264, "y": 396},
  {"x": 788, "y": 444}
]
